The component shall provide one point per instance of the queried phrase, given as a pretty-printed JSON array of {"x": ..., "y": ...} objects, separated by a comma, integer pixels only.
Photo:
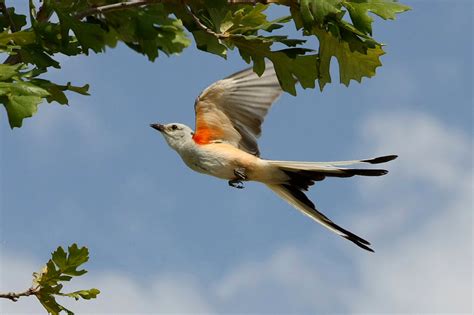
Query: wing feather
[{"x": 233, "y": 109}]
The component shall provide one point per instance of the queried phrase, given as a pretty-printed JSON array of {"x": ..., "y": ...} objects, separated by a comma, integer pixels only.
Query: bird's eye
[{"x": 174, "y": 127}]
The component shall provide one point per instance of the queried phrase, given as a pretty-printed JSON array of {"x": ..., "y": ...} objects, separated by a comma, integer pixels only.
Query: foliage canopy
[{"x": 153, "y": 27}]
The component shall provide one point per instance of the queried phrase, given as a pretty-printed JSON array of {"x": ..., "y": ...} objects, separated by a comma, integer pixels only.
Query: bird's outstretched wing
[{"x": 232, "y": 110}]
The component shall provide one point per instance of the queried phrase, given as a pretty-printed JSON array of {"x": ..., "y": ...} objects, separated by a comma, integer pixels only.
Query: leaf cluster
[
  {"x": 21, "y": 91},
  {"x": 60, "y": 268},
  {"x": 150, "y": 27},
  {"x": 348, "y": 39}
]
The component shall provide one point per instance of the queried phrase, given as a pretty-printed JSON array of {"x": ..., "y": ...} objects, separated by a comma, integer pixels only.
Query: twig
[
  {"x": 12, "y": 59},
  {"x": 115, "y": 7},
  {"x": 43, "y": 16},
  {"x": 15, "y": 296},
  {"x": 204, "y": 27},
  {"x": 138, "y": 3},
  {"x": 253, "y": 1},
  {"x": 4, "y": 10}
]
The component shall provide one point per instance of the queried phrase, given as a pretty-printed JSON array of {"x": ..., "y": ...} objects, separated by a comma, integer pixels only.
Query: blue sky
[{"x": 165, "y": 239}]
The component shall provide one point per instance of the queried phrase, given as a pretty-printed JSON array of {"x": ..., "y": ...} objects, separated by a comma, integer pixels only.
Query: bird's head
[{"x": 175, "y": 134}]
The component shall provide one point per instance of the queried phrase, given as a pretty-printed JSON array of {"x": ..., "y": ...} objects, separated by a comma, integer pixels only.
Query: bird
[{"x": 228, "y": 118}]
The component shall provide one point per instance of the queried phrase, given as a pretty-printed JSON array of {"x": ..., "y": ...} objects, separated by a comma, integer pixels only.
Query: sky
[{"x": 166, "y": 240}]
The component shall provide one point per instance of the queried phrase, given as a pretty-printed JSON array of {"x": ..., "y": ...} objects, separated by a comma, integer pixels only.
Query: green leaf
[
  {"x": 37, "y": 56},
  {"x": 21, "y": 100},
  {"x": 89, "y": 35},
  {"x": 21, "y": 92},
  {"x": 209, "y": 43},
  {"x": 289, "y": 66},
  {"x": 316, "y": 11},
  {"x": 300, "y": 69},
  {"x": 19, "y": 107},
  {"x": 85, "y": 294},
  {"x": 59, "y": 257},
  {"x": 84, "y": 90},
  {"x": 51, "y": 305},
  {"x": 8, "y": 71},
  {"x": 61, "y": 267},
  {"x": 148, "y": 30},
  {"x": 21, "y": 38},
  {"x": 19, "y": 20},
  {"x": 359, "y": 9},
  {"x": 77, "y": 256},
  {"x": 353, "y": 65},
  {"x": 22, "y": 88}
]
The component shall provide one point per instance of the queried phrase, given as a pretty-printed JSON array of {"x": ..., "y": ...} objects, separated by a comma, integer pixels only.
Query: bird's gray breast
[
  {"x": 201, "y": 161},
  {"x": 196, "y": 161}
]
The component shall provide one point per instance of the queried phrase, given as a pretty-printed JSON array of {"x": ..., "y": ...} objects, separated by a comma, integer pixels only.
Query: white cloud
[
  {"x": 15, "y": 276},
  {"x": 425, "y": 262},
  {"x": 422, "y": 236},
  {"x": 428, "y": 151}
]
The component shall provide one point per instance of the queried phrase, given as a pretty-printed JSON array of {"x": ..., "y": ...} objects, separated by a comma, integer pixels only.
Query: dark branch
[
  {"x": 204, "y": 27},
  {"x": 4, "y": 10},
  {"x": 43, "y": 15},
  {"x": 138, "y": 3},
  {"x": 15, "y": 296},
  {"x": 116, "y": 7},
  {"x": 254, "y": 1},
  {"x": 12, "y": 59}
]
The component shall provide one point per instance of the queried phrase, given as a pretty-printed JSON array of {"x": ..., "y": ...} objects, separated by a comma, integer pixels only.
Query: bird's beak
[{"x": 158, "y": 127}]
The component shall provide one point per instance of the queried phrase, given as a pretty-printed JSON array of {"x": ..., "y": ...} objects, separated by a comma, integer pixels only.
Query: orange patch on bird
[
  {"x": 207, "y": 127},
  {"x": 202, "y": 136},
  {"x": 205, "y": 134}
]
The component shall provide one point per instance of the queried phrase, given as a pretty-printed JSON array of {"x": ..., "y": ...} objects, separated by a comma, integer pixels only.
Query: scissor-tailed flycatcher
[{"x": 229, "y": 114}]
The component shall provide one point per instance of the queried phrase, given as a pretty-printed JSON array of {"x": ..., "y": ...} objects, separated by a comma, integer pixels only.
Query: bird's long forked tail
[{"x": 301, "y": 175}]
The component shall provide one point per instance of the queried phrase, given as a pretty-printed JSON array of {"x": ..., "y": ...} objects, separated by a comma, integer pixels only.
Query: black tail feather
[
  {"x": 298, "y": 194},
  {"x": 381, "y": 159},
  {"x": 305, "y": 178}
]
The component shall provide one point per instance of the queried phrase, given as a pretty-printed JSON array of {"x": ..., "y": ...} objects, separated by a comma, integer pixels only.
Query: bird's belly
[
  {"x": 222, "y": 160},
  {"x": 210, "y": 164}
]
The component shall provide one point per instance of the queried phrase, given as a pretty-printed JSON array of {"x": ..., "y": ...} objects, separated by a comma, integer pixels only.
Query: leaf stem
[{"x": 14, "y": 296}]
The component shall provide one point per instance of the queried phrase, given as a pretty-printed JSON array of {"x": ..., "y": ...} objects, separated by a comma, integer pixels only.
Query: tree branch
[
  {"x": 254, "y": 2},
  {"x": 138, "y": 3},
  {"x": 204, "y": 27},
  {"x": 12, "y": 59},
  {"x": 4, "y": 10},
  {"x": 43, "y": 15},
  {"x": 15, "y": 296},
  {"x": 115, "y": 7}
]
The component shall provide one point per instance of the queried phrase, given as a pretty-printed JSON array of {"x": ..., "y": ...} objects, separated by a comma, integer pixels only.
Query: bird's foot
[
  {"x": 236, "y": 183},
  {"x": 240, "y": 173}
]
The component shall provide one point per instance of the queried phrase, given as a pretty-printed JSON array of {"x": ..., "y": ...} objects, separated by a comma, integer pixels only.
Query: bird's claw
[
  {"x": 236, "y": 183},
  {"x": 240, "y": 173},
  {"x": 240, "y": 176}
]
